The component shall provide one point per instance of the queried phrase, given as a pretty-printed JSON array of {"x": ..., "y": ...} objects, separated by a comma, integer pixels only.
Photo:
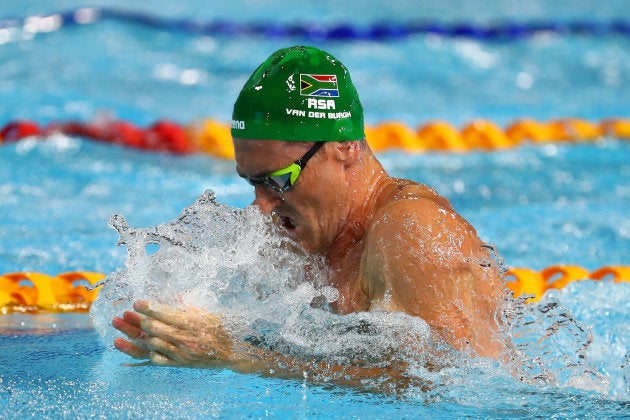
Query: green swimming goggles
[{"x": 284, "y": 179}]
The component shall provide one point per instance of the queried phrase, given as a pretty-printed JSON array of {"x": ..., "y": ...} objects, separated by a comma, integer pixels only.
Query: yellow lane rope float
[
  {"x": 213, "y": 137},
  {"x": 35, "y": 292},
  {"x": 530, "y": 282},
  {"x": 67, "y": 292}
]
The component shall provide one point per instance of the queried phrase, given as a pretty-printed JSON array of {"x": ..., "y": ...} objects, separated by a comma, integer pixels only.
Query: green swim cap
[{"x": 299, "y": 94}]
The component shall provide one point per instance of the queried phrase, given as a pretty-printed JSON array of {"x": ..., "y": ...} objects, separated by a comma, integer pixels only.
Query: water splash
[
  {"x": 213, "y": 257},
  {"x": 271, "y": 292},
  {"x": 274, "y": 295},
  {"x": 550, "y": 346}
]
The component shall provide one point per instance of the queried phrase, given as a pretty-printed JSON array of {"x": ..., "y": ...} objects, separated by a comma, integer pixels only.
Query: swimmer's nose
[{"x": 266, "y": 200}]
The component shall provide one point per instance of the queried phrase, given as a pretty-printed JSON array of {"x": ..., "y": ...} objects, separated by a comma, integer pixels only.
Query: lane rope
[
  {"x": 24, "y": 27},
  {"x": 31, "y": 292},
  {"x": 213, "y": 137},
  {"x": 37, "y": 292},
  {"x": 525, "y": 281}
]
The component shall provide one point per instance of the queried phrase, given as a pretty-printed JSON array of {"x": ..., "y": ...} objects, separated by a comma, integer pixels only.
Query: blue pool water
[{"x": 539, "y": 204}]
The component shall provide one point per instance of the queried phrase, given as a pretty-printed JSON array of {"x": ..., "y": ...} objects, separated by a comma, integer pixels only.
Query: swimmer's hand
[
  {"x": 193, "y": 338},
  {"x": 168, "y": 337}
]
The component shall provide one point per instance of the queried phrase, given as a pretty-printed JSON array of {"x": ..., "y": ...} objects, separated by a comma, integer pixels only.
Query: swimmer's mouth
[{"x": 287, "y": 223}]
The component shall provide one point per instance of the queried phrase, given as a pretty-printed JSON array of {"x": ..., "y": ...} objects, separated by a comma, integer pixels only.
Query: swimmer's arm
[
  {"x": 191, "y": 338},
  {"x": 423, "y": 259}
]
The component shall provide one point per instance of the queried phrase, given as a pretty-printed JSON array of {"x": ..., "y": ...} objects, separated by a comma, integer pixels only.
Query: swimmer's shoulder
[
  {"x": 414, "y": 212},
  {"x": 409, "y": 210},
  {"x": 402, "y": 193}
]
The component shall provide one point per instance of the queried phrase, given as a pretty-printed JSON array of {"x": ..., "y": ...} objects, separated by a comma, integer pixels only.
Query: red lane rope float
[
  {"x": 35, "y": 292},
  {"x": 213, "y": 137},
  {"x": 67, "y": 292}
]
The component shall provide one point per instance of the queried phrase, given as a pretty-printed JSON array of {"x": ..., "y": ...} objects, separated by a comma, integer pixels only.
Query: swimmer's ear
[{"x": 347, "y": 152}]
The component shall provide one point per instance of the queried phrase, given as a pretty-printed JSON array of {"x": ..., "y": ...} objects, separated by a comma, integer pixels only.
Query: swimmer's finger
[
  {"x": 160, "y": 359},
  {"x": 131, "y": 328},
  {"x": 133, "y": 318},
  {"x": 153, "y": 327},
  {"x": 164, "y": 347},
  {"x": 145, "y": 363},
  {"x": 179, "y": 318},
  {"x": 167, "y": 353},
  {"x": 131, "y": 349}
]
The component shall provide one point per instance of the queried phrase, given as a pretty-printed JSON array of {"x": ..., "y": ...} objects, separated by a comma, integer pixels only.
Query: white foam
[{"x": 233, "y": 262}]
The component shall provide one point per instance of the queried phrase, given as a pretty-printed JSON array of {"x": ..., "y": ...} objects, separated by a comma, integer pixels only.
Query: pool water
[{"x": 539, "y": 204}]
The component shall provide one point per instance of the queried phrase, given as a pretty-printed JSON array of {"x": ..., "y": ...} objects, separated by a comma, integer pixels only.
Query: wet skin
[{"x": 389, "y": 244}]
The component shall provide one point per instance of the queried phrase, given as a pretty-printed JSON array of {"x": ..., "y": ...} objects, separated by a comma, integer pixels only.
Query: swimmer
[{"x": 389, "y": 244}]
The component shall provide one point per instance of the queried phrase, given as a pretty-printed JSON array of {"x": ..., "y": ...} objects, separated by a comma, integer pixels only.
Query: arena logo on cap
[{"x": 319, "y": 85}]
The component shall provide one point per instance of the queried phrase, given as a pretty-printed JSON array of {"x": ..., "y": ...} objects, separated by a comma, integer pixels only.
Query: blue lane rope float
[{"x": 314, "y": 31}]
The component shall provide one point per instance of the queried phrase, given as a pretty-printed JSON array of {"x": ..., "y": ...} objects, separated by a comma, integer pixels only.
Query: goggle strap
[{"x": 302, "y": 161}]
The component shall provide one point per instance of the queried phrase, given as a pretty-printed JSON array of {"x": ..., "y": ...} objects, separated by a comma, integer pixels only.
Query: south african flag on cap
[{"x": 319, "y": 85}]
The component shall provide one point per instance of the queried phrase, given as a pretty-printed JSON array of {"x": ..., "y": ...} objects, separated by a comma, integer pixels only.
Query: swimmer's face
[{"x": 307, "y": 211}]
